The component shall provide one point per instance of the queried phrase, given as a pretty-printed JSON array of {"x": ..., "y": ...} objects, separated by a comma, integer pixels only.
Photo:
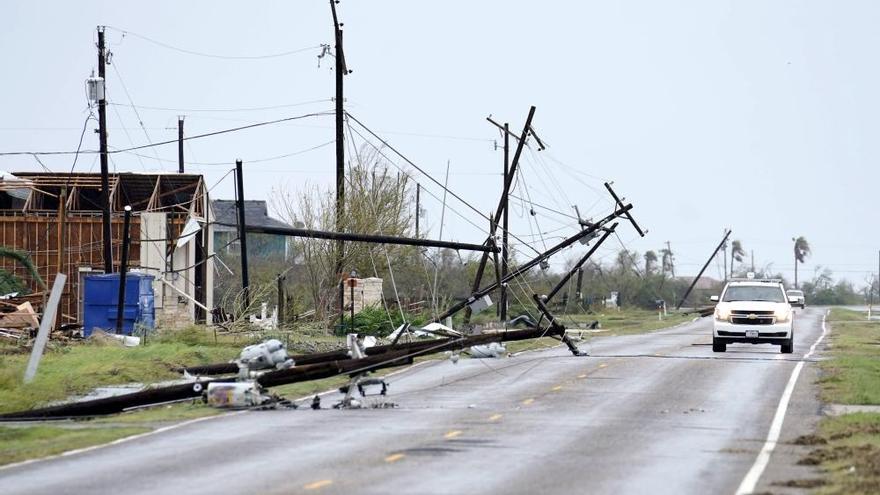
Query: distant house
[
  {"x": 704, "y": 283},
  {"x": 255, "y": 213}
]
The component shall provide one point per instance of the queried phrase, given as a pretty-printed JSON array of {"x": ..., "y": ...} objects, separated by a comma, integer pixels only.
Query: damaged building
[{"x": 55, "y": 219}]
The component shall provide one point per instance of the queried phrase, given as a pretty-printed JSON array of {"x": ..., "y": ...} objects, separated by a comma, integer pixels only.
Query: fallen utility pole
[
  {"x": 299, "y": 373},
  {"x": 542, "y": 301},
  {"x": 376, "y": 239},
  {"x": 534, "y": 262},
  {"x": 697, "y": 278},
  {"x": 619, "y": 203}
]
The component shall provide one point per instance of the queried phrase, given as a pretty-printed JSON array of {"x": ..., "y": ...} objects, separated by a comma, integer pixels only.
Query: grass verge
[
  {"x": 22, "y": 443},
  {"x": 848, "y": 446}
]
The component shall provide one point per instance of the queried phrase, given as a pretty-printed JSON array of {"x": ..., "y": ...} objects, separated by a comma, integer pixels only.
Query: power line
[
  {"x": 245, "y": 161},
  {"x": 228, "y": 110},
  {"x": 211, "y": 55},
  {"x": 172, "y": 141}
]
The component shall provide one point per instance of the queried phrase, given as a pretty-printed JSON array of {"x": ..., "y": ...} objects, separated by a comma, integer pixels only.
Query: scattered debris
[
  {"x": 265, "y": 355},
  {"x": 491, "y": 350},
  {"x": 24, "y": 316},
  {"x": 236, "y": 395}
]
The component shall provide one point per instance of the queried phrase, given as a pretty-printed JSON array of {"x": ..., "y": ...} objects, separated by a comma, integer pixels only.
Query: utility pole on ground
[
  {"x": 180, "y": 167},
  {"x": 102, "y": 137}
]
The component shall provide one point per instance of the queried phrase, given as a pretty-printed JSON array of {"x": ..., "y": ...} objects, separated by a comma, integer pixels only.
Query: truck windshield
[
  {"x": 754, "y": 293},
  {"x": 794, "y": 293}
]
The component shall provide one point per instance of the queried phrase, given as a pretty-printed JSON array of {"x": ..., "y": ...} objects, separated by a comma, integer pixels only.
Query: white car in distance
[
  {"x": 753, "y": 311},
  {"x": 796, "y": 298}
]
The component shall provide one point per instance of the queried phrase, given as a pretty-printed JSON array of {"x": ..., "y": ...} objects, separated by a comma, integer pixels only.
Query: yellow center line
[
  {"x": 582, "y": 375},
  {"x": 452, "y": 434},
  {"x": 318, "y": 484},
  {"x": 557, "y": 388},
  {"x": 528, "y": 401},
  {"x": 603, "y": 365},
  {"x": 495, "y": 417},
  {"x": 394, "y": 457}
]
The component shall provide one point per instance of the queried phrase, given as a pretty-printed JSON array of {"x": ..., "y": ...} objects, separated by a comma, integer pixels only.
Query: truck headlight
[
  {"x": 722, "y": 314},
  {"x": 783, "y": 316}
]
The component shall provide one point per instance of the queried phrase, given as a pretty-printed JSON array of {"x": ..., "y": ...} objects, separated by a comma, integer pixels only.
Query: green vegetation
[
  {"x": 18, "y": 444},
  {"x": 852, "y": 376},
  {"x": 848, "y": 446},
  {"x": 77, "y": 368}
]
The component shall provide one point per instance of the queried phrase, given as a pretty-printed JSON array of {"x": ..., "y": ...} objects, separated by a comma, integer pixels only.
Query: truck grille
[{"x": 739, "y": 317}]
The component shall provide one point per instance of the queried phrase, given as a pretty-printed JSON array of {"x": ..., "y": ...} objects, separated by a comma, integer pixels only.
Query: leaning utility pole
[
  {"x": 341, "y": 70},
  {"x": 102, "y": 136},
  {"x": 502, "y": 204},
  {"x": 697, "y": 278},
  {"x": 724, "y": 266},
  {"x": 180, "y": 167}
]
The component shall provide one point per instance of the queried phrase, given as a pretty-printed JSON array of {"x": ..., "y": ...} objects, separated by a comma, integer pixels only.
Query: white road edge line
[
  {"x": 750, "y": 481},
  {"x": 119, "y": 441},
  {"x": 169, "y": 427}
]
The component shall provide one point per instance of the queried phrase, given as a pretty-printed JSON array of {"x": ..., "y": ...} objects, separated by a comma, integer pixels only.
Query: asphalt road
[{"x": 653, "y": 413}]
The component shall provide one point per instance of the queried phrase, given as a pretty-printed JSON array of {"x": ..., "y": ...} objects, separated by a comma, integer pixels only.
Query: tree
[
  {"x": 737, "y": 253},
  {"x": 801, "y": 251},
  {"x": 377, "y": 202}
]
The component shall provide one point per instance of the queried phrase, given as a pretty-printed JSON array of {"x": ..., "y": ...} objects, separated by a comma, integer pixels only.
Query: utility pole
[
  {"x": 671, "y": 265},
  {"x": 724, "y": 266},
  {"x": 341, "y": 70},
  {"x": 753, "y": 260},
  {"x": 242, "y": 234},
  {"x": 697, "y": 278},
  {"x": 123, "y": 268},
  {"x": 62, "y": 233},
  {"x": 505, "y": 254},
  {"x": 180, "y": 167},
  {"x": 102, "y": 136},
  {"x": 418, "y": 211},
  {"x": 795, "y": 262}
]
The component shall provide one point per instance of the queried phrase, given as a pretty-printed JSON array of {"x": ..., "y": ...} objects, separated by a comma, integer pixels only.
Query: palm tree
[
  {"x": 650, "y": 261},
  {"x": 737, "y": 253},
  {"x": 801, "y": 251}
]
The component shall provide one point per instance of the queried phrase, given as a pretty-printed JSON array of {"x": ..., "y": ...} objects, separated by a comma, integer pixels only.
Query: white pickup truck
[
  {"x": 796, "y": 298},
  {"x": 753, "y": 311}
]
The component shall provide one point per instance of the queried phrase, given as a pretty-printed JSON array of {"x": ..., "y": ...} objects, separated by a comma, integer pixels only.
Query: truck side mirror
[{"x": 714, "y": 298}]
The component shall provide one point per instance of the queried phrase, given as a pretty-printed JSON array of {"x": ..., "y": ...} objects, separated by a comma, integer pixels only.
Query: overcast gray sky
[{"x": 760, "y": 116}]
